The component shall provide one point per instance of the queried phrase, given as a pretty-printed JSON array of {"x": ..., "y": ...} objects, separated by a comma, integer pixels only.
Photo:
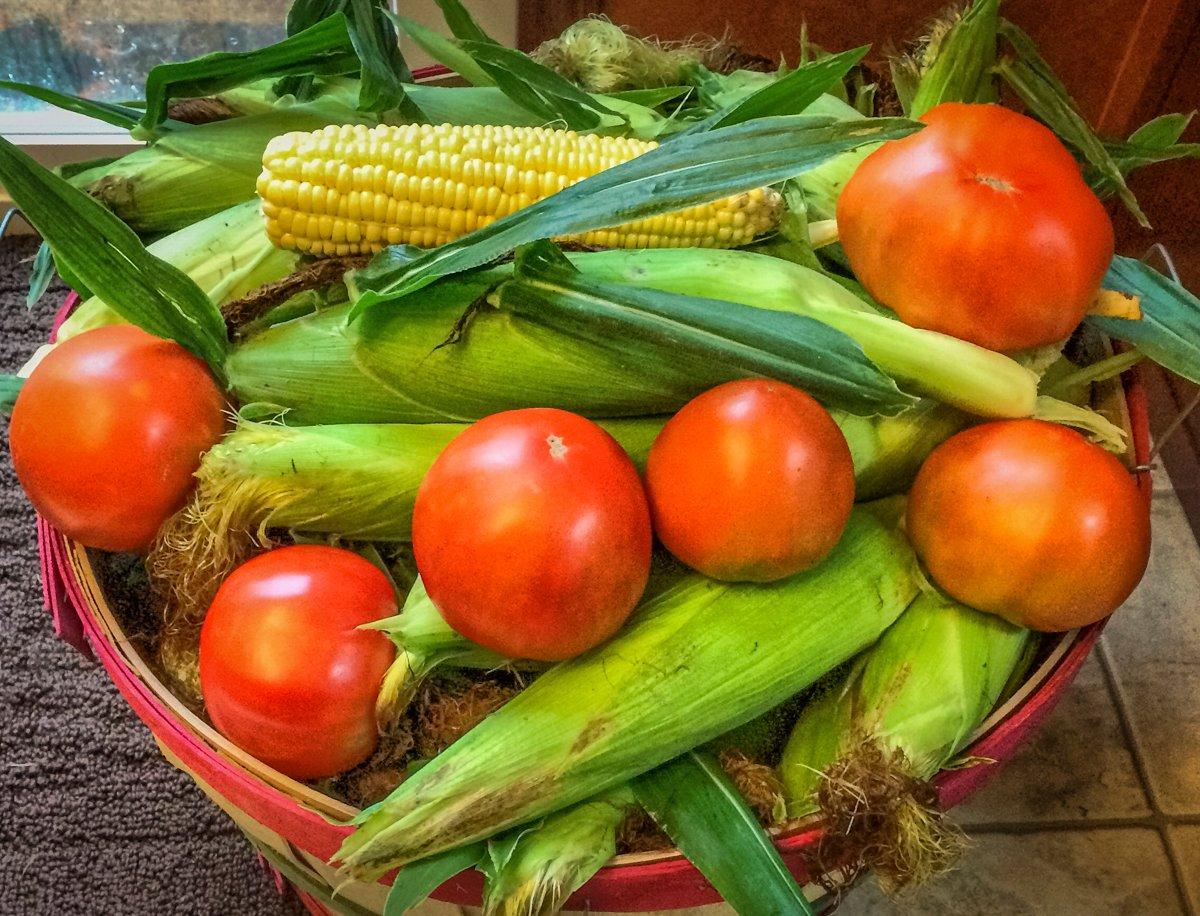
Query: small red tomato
[
  {"x": 751, "y": 481},
  {"x": 1030, "y": 521},
  {"x": 532, "y": 535},
  {"x": 980, "y": 225},
  {"x": 108, "y": 431},
  {"x": 286, "y": 674}
]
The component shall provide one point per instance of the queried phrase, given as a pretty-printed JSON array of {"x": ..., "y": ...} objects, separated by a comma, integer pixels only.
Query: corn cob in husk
[
  {"x": 861, "y": 754},
  {"x": 535, "y": 873},
  {"x": 504, "y": 360},
  {"x": 353, "y": 481},
  {"x": 698, "y": 660},
  {"x": 227, "y": 255}
]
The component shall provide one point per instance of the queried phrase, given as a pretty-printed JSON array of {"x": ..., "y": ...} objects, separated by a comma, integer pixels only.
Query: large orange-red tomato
[
  {"x": 532, "y": 534},
  {"x": 1030, "y": 521},
  {"x": 286, "y": 673},
  {"x": 107, "y": 432},
  {"x": 750, "y": 481},
  {"x": 980, "y": 225}
]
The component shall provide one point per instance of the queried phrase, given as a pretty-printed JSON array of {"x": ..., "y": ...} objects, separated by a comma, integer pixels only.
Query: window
[{"x": 103, "y": 49}]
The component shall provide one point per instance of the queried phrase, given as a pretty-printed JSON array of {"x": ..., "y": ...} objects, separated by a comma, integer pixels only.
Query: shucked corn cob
[{"x": 352, "y": 189}]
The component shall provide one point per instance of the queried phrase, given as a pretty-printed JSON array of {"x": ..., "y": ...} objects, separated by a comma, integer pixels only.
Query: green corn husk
[
  {"x": 862, "y": 753},
  {"x": 534, "y": 872},
  {"x": 697, "y": 660},
  {"x": 193, "y": 172},
  {"x": 953, "y": 371},
  {"x": 350, "y": 481},
  {"x": 504, "y": 360},
  {"x": 228, "y": 255}
]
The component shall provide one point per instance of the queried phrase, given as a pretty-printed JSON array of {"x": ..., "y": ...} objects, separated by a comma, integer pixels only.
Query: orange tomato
[
  {"x": 107, "y": 432},
  {"x": 286, "y": 673},
  {"x": 532, "y": 535},
  {"x": 750, "y": 481},
  {"x": 1030, "y": 521},
  {"x": 980, "y": 225}
]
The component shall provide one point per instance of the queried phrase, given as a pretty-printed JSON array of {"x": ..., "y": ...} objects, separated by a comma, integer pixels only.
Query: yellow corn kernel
[{"x": 353, "y": 189}]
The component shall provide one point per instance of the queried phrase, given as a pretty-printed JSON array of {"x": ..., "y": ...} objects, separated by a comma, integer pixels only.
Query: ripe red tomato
[
  {"x": 286, "y": 674},
  {"x": 750, "y": 481},
  {"x": 108, "y": 431},
  {"x": 981, "y": 226},
  {"x": 532, "y": 534},
  {"x": 1030, "y": 521}
]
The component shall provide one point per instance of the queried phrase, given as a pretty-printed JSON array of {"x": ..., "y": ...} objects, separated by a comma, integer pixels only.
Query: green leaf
[
  {"x": 381, "y": 63},
  {"x": 652, "y": 98},
  {"x": 1046, "y": 97},
  {"x": 325, "y": 48},
  {"x": 1169, "y": 329},
  {"x": 69, "y": 170},
  {"x": 537, "y": 88},
  {"x": 724, "y": 340},
  {"x": 695, "y": 803},
  {"x": 445, "y": 51},
  {"x": 685, "y": 172},
  {"x": 41, "y": 275},
  {"x": 10, "y": 387},
  {"x": 1153, "y": 142},
  {"x": 417, "y": 881},
  {"x": 92, "y": 244},
  {"x": 790, "y": 94},
  {"x": 117, "y": 115},
  {"x": 461, "y": 25},
  {"x": 961, "y": 71},
  {"x": 1163, "y": 131}
]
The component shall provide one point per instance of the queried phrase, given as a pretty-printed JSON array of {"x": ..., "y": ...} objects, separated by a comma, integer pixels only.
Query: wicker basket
[{"x": 296, "y": 828}]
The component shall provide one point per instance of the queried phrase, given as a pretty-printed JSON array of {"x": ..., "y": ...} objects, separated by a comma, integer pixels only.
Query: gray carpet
[{"x": 92, "y": 819}]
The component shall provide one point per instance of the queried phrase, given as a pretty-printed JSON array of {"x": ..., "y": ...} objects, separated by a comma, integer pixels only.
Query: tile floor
[{"x": 1100, "y": 812}]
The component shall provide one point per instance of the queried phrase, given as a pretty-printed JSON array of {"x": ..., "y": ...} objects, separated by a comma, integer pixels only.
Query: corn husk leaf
[
  {"x": 698, "y": 807},
  {"x": 1169, "y": 329},
  {"x": 791, "y": 94},
  {"x": 41, "y": 275},
  {"x": 695, "y": 662},
  {"x": 445, "y": 51},
  {"x": 117, "y": 115},
  {"x": 689, "y": 171},
  {"x": 1027, "y": 72},
  {"x": 106, "y": 256},
  {"x": 548, "y": 290},
  {"x": 417, "y": 881},
  {"x": 972, "y": 378},
  {"x": 10, "y": 387}
]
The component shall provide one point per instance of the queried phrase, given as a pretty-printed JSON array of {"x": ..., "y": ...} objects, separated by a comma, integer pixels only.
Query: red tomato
[
  {"x": 108, "y": 431},
  {"x": 532, "y": 535},
  {"x": 750, "y": 481},
  {"x": 981, "y": 226},
  {"x": 285, "y": 672},
  {"x": 1030, "y": 521}
]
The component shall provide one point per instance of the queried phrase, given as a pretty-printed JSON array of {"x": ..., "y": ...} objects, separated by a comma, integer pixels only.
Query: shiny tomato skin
[
  {"x": 750, "y": 481},
  {"x": 532, "y": 534},
  {"x": 286, "y": 674},
  {"x": 1029, "y": 520},
  {"x": 980, "y": 226},
  {"x": 108, "y": 431}
]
